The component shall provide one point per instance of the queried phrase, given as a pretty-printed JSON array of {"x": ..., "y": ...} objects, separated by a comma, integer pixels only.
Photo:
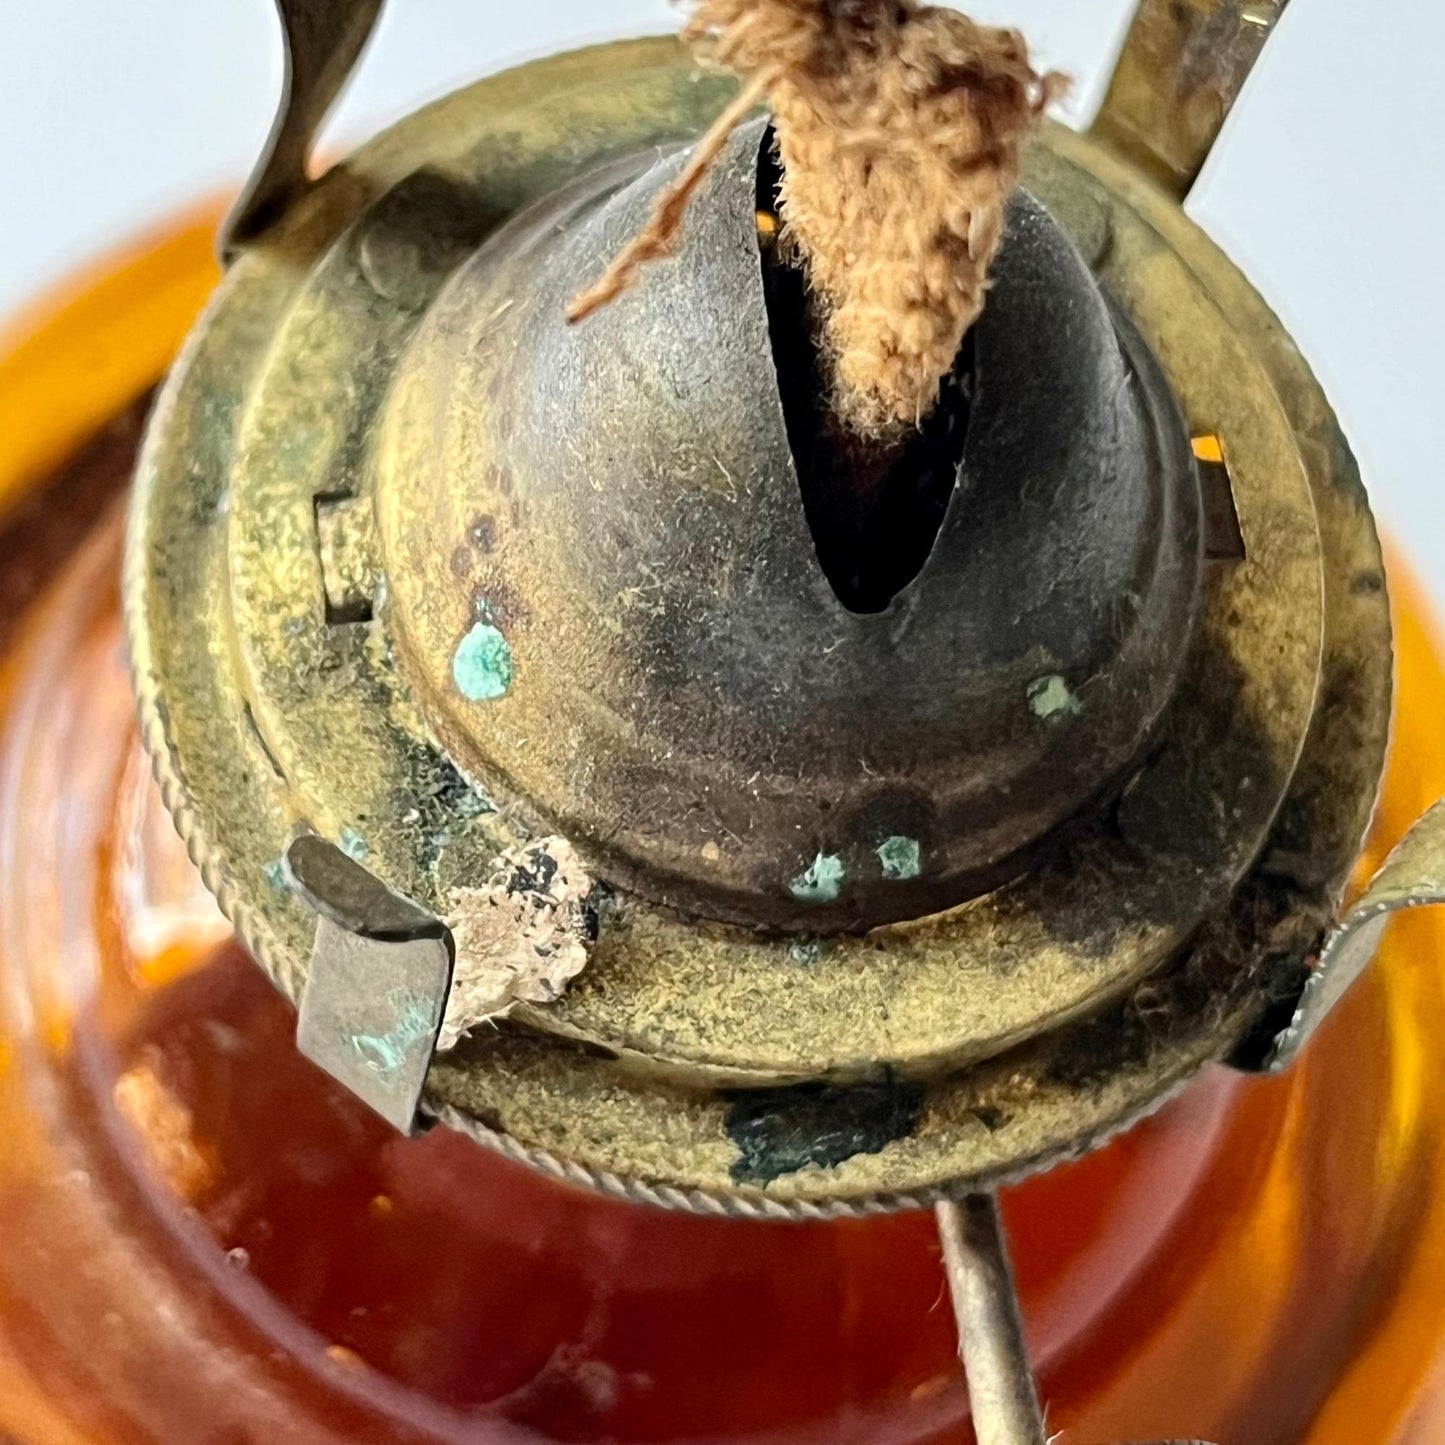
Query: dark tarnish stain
[
  {"x": 483, "y": 532},
  {"x": 481, "y": 604},
  {"x": 1368, "y": 584},
  {"x": 1344, "y": 471},
  {"x": 1260, "y": 946},
  {"x": 779, "y": 1131},
  {"x": 454, "y": 794},
  {"x": 490, "y": 1119},
  {"x": 596, "y": 903},
  {"x": 447, "y": 802},
  {"x": 495, "y": 602},
  {"x": 1284, "y": 986},
  {"x": 535, "y": 874},
  {"x": 461, "y": 562},
  {"x": 592, "y": 1050}
]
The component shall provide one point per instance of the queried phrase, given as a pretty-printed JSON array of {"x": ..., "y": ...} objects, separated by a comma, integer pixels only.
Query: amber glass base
[{"x": 203, "y": 1240}]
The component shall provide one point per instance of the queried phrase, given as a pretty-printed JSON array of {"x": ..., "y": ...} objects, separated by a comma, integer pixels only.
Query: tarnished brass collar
[{"x": 292, "y": 644}]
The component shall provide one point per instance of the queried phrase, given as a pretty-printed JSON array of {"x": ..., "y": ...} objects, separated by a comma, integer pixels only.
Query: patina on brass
[{"x": 286, "y": 561}]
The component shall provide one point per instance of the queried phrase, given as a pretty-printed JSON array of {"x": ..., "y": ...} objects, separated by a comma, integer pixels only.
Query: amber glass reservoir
[{"x": 204, "y": 1240}]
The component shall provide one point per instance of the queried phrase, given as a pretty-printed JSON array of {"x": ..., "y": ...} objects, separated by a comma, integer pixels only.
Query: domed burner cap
[{"x": 605, "y": 589}]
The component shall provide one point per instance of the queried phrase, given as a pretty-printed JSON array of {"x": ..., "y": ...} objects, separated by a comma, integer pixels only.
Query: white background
[{"x": 1328, "y": 186}]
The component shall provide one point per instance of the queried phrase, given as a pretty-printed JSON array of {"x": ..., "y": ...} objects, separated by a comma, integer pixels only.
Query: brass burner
[{"x": 329, "y": 588}]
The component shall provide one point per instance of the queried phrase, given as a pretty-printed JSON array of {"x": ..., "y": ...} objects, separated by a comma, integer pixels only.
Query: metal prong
[
  {"x": 1001, "y": 1391},
  {"x": 381, "y": 968},
  {"x": 1183, "y": 65},
  {"x": 1413, "y": 876},
  {"x": 322, "y": 39}
]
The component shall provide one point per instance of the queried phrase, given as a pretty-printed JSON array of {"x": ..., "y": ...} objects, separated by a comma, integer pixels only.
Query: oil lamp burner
[{"x": 615, "y": 771}]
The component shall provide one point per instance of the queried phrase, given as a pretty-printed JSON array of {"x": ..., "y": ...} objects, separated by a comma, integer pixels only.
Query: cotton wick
[{"x": 900, "y": 129}]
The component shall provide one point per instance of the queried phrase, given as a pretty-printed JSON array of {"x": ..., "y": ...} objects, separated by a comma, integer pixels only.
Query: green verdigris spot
[
  {"x": 1053, "y": 700},
  {"x": 901, "y": 857},
  {"x": 822, "y": 881},
  {"x": 482, "y": 667},
  {"x": 385, "y": 1054}
]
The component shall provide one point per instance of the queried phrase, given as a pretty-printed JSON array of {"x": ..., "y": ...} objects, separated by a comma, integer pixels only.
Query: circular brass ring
[{"x": 972, "y": 1046}]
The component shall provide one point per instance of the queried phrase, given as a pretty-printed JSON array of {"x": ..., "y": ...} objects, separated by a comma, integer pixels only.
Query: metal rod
[{"x": 1001, "y": 1391}]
